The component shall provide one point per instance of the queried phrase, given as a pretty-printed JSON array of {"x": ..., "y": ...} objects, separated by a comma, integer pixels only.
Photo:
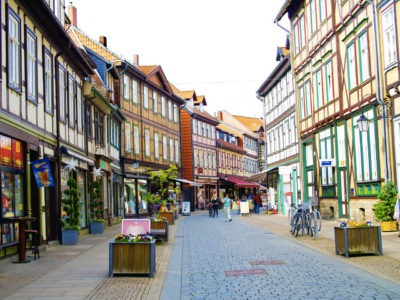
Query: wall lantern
[{"x": 363, "y": 123}]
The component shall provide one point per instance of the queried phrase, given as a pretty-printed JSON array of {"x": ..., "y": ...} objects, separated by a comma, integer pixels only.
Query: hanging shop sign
[{"x": 42, "y": 171}]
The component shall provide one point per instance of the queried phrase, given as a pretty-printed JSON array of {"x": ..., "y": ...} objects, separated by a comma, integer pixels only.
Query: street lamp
[
  {"x": 363, "y": 123},
  {"x": 135, "y": 164}
]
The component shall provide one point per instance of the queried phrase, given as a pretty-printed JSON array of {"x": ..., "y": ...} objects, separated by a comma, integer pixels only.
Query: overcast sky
[{"x": 222, "y": 49}]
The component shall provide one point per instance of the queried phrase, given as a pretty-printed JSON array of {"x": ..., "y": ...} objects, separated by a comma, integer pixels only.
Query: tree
[{"x": 384, "y": 208}]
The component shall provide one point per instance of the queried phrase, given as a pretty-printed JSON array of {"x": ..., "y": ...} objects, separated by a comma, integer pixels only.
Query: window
[
  {"x": 163, "y": 106},
  {"x": 156, "y": 146},
  {"x": 155, "y": 102},
  {"x": 96, "y": 125},
  {"x": 146, "y": 97},
  {"x": 48, "y": 80},
  {"x": 88, "y": 120},
  {"x": 313, "y": 16},
  {"x": 14, "y": 50},
  {"x": 328, "y": 82},
  {"x": 389, "y": 36},
  {"x": 147, "y": 142},
  {"x": 305, "y": 103},
  {"x": 322, "y": 10},
  {"x": 194, "y": 125},
  {"x": 325, "y": 144},
  {"x": 169, "y": 110},
  {"x": 31, "y": 66},
  {"x": 128, "y": 141},
  {"x": 319, "y": 99},
  {"x": 62, "y": 87},
  {"x": 171, "y": 149},
  {"x": 175, "y": 113},
  {"x": 99, "y": 127},
  {"x": 126, "y": 87},
  {"x": 79, "y": 108},
  {"x": 165, "y": 147},
  {"x": 176, "y": 151},
  {"x": 71, "y": 101},
  {"x": 364, "y": 56},
  {"x": 136, "y": 139},
  {"x": 135, "y": 92},
  {"x": 114, "y": 133},
  {"x": 351, "y": 66},
  {"x": 365, "y": 146}
]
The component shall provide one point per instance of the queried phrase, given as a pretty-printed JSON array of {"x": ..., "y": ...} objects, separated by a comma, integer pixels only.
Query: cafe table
[{"x": 22, "y": 222}]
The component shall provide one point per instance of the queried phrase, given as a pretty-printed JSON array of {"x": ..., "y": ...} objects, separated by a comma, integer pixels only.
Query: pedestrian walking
[
  {"x": 396, "y": 215},
  {"x": 227, "y": 206},
  {"x": 215, "y": 204},
  {"x": 257, "y": 203},
  {"x": 210, "y": 208}
]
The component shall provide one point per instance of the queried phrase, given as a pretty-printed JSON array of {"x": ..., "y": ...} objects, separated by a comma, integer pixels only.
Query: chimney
[
  {"x": 136, "y": 59},
  {"x": 103, "y": 40},
  {"x": 73, "y": 15}
]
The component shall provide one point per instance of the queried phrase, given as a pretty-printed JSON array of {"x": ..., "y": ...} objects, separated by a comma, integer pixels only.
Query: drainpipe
[
  {"x": 262, "y": 99},
  {"x": 56, "y": 218},
  {"x": 379, "y": 90}
]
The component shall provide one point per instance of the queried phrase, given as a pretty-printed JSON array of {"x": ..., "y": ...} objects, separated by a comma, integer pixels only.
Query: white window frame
[
  {"x": 126, "y": 87},
  {"x": 390, "y": 45},
  {"x": 155, "y": 102},
  {"x": 147, "y": 142},
  {"x": 48, "y": 80},
  {"x": 351, "y": 66},
  {"x": 156, "y": 146},
  {"x": 136, "y": 139},
  {"x": 135, "y": 88},
  {"x": 31, "y": 65},
  {"x": 363, "y": 55},
  {"x": 14, "y": 50},
  {"x": 146, "y": 97}
]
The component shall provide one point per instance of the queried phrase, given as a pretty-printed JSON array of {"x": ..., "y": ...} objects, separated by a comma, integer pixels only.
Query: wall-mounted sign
[{"x": 327, "y": 162}]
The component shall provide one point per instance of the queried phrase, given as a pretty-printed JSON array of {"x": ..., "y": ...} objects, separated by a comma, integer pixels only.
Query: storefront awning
[
  {"x": 191, "y": 183},
  {"x": 69, "y": 152},
  {"x": 241, "y": 183}
]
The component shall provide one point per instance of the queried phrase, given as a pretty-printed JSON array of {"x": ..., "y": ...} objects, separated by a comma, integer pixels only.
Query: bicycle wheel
[
  {"x": 293, "y": 223},
  {"x": 318, "y": 220},
  {"x": 313, "y": 224},
  {"x": 298, "y": 225},
  {"x": 307, "y": 223}
]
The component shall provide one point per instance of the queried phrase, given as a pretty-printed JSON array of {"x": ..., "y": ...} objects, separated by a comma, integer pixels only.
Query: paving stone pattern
[{"x": 207, "y": 249}]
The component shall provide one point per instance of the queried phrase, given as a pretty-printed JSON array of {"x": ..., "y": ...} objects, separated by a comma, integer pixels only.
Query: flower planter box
[
  {"x": 159, "y": 230},
  {"x": 69, "y": 237},
  {"x": 169, "y": 215},
  {"x": 96, "y": 227},
  {"x": 363, "y": 240},
  {"x": 132, "y": 258},
  {"x": 388, "y": 226}
]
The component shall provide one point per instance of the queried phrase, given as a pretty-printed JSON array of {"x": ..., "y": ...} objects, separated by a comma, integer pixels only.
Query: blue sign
[{"x": 41, "y": 169}]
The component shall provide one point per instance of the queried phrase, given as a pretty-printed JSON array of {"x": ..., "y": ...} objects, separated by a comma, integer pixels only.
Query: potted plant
[
  {"x": 384, "y": 208},
  {"x": 161, "y": 183},
  {"x": 96, "y": 224},
  {"x": 70, "y": 221},
  {"x": 132, "y": 255}
]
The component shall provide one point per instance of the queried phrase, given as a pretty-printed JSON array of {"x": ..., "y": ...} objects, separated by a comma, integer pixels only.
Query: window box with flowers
[
  {"x": 354, "y": 238},
  {"x": 159, "y": 229},
  {"x": 132, "y": 255}
]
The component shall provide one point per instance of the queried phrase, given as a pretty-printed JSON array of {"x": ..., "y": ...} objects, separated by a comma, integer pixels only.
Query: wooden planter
[
  {"x": 159, "y": 230},
  {"x": 388, "y": 226},
  {"x": 364, "y": 240},
  {"x": 169, "y": 215},
  {"x": 132, "y": 258}
]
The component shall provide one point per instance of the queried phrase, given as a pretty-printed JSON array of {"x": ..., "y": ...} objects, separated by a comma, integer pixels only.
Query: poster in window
[
  {"x": 17, "y": 154},
  {"x": 5, "y": 150}
]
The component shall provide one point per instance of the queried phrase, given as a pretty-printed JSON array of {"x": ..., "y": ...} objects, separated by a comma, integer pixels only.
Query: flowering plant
[
  {"x": 354, "y": 224},
  {"x": 130, "y": 238}
]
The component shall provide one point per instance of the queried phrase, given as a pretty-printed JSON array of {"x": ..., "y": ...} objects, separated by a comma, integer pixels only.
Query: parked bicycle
[{"x": 309, "y": 221}]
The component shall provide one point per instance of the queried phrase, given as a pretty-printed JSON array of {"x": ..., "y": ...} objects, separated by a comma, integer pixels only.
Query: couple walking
[{"x": 227, "y": 202}]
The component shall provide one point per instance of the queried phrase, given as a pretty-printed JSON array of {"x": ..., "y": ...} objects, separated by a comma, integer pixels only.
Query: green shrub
[{"x": 384, "y": 208}]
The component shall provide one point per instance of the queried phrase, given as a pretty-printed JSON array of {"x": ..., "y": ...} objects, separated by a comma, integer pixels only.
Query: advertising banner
[{"x": 41, "y": 169}]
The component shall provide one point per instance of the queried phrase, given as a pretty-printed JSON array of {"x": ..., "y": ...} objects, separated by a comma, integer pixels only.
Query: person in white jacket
[{"x": 396, "y": 215}]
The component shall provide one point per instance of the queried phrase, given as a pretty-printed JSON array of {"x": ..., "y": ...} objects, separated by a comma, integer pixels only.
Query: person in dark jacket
[{"x": 215, "y": 204}]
